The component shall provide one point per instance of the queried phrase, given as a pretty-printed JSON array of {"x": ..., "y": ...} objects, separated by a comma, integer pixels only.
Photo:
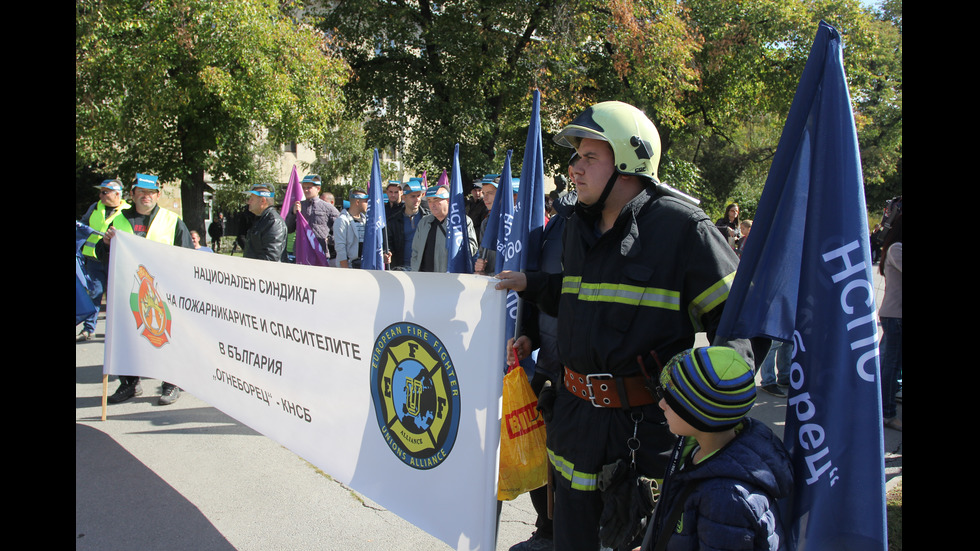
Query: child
[{"x": 727, "y": 470}]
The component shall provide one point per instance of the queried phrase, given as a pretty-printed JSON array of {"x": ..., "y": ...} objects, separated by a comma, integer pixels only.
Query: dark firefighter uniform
[{"x": 658, "y": 276}]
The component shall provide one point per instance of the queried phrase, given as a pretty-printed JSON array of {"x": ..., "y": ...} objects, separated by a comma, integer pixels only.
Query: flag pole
[{"x": 105, "y": 393}]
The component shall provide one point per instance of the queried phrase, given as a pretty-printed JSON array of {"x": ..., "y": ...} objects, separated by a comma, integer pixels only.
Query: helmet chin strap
[{"x": 595, "y": 209}]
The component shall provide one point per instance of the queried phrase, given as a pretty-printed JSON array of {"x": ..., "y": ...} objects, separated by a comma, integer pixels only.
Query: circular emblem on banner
[
  {"x": 416, "y": 395},
  {"x": 150, "y": 310}
]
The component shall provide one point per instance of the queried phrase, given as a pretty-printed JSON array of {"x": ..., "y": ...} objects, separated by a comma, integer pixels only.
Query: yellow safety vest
[
  {"x": 98, "y": 222},
  {"x": 161, "y": 229}
]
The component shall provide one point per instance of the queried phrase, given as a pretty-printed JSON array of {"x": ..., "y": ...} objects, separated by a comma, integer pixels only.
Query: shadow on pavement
[{"x": 121, "y": 504}]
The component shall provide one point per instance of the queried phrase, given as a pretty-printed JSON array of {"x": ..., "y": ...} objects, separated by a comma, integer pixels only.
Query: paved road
[{"x": 187, "y": 476}]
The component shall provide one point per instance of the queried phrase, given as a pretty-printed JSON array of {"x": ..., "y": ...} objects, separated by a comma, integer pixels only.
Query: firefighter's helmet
[{"x": 633, "y": 138}]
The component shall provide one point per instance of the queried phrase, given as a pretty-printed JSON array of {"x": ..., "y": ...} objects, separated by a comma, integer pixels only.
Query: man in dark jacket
[
  {"x": 643, "y": 270},
  {"x": 216, "y": 230},
  {"x": 266, "y": 239},
  {"x": 402, "y": 225}
]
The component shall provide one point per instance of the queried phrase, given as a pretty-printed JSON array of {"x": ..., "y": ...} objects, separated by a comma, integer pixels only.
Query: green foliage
[
  {"x": 429, "y": 76},
  {"x": 717, "y": 77},
  {"x": 184, "y": 88}
]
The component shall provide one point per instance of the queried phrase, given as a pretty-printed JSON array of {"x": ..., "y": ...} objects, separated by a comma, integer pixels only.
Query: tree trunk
[{"x": 192, "y": 200}]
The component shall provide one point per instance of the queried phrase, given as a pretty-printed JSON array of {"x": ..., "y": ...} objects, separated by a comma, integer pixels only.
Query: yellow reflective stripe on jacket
[
  {"x": 622, "y": 293},
  {"x": 571, "y": 284},
  {"x": 580, "y": 481},
  {"x": 161, "y": 229},
  {"x": 709, "y": 299},
  {"x": 98, "y": 222}
]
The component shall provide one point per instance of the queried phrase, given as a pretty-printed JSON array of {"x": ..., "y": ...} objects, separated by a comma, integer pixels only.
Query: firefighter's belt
[{"x": 605, "y": 391}]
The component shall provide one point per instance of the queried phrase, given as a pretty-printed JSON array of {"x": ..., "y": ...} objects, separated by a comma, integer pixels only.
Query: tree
[
  {"x": 879, "y": 107},
  {"x": 187, "y": 88},
  {"x": 717, "y": 77},
  {"x": 751, "y": 58}
]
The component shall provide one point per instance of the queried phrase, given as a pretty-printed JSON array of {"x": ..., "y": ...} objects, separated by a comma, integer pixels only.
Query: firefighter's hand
[
  {"x": 522, "y": 346},
  {"x": 514, "y": 281}
]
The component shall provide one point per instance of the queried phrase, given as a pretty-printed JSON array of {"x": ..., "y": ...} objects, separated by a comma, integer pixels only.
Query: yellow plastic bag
[{"x": 523, "y": 455}]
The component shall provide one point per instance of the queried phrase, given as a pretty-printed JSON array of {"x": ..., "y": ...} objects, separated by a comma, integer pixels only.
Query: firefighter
[{"x": 644, "y": 270}]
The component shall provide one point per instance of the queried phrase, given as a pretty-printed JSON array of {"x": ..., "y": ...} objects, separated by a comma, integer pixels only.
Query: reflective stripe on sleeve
[{"x": 705, "y": 302}]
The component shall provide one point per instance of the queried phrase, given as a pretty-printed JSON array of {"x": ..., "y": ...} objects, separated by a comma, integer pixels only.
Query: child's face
[{"x": 677, "y": 425}]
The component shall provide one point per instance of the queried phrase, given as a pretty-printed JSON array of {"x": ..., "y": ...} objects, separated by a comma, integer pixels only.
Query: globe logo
[
  {"x": 417, "y": 397},
  {"x": 416, "y": 394}
]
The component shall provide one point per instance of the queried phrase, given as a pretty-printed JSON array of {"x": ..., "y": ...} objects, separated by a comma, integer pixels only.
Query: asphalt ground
[{"x": 187, "y": 476}]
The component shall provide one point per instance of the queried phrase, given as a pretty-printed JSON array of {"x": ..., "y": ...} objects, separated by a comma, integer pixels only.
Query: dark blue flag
[
  {"x": 457, "y": 236},
  {"x": 507, "y": 238},
  {"x": 372, "y": 257},
  {"x": 805, "y": 276},
  {"x": 511, "y": 252},
  {"x": 529, "y": 209}
]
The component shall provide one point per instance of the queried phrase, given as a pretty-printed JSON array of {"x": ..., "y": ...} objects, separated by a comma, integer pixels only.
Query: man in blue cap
[
  {"x": 475, "y": 207},
  {"x": 266, "y": 238},
  {"x": 349, "y": 230},
  {"x": 394, "y": 192},
  {"x": 318, "y": 213},
  {"x": 98, "y": 217},
  {"x": 145, "y": 219},
  {"x": 402, "y": 225},
  {"x": 429, "y": 252}
]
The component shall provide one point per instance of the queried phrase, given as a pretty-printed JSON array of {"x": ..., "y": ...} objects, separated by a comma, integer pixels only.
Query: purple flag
[{"x": 307, "y": 246}]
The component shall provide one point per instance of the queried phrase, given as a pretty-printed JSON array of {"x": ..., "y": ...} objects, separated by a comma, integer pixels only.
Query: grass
[{"x": 893, "y": 502}]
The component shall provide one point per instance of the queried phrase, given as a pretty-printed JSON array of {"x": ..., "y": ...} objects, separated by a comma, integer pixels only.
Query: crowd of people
[{"x": 630, "y": 271}]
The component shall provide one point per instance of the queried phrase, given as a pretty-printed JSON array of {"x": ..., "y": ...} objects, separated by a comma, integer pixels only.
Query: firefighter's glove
[
  {"x": 627, "y": 502},
  {"x": 650, "y": 366},
  {"x": 546, "y": 401}
]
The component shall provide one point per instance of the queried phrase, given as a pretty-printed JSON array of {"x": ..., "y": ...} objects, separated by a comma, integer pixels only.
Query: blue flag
[
  {"x": 510, "y": 251},
  {"x": 529, "y": 209},
  {"x": 506, "y": 239},
  {"x": 457, "y": 237},
  {"x": 805, "y": 276},
  {"x": 84, "y": 306},
  {"x": 372, "y": 257}
]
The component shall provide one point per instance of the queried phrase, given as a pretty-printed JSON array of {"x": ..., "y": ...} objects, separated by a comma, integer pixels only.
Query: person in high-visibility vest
[
  {"x": 145, "y": 219},
  {"x": 98, "y": 217}
]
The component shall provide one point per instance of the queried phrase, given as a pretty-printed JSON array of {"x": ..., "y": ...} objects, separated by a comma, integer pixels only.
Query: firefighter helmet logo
[
  {"x": 150, "y": 309},
  {"x": 416, "y": 395}
]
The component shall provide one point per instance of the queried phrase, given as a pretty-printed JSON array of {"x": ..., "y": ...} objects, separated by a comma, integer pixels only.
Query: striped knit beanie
[{"x": 711, "y": 388}]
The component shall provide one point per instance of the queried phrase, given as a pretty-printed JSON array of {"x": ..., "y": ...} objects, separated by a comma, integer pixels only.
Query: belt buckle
[{"x": 588, "y": 384}]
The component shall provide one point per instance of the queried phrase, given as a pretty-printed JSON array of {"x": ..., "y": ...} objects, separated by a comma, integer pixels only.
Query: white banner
[{"x": 388, "y": 381}]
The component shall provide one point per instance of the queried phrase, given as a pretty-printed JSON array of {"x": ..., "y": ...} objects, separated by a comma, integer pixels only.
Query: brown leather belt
[{"x": 605, "y": 391}]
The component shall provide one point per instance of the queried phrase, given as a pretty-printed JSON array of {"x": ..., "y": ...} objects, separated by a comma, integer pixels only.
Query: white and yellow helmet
[{"x": 633, "y": 138}]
